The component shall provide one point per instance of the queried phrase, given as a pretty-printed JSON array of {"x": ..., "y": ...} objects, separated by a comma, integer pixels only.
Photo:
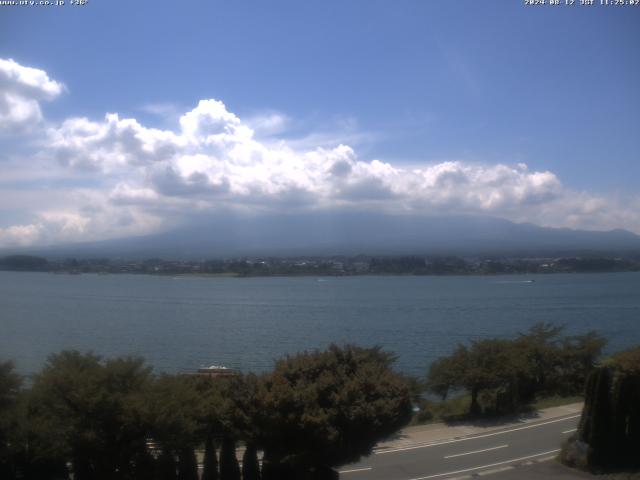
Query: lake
[{"x": 182, "y": 323}]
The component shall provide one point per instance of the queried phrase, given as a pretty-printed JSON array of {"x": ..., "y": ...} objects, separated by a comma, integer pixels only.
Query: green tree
[
  {"x": 502, "y": 375},
  {"x": 626, "y": 407},
  {"x": 23, "y": 263},
  {"x": 446, "y": 373},
  {"x": 540, "y": 346},
  {"x": 628, "y": 360},
  {"x": 229, "y": 468},
  {"x": 92, "y": 412},
  {"x": 187, "y": 464},
  {"x": 610, "y": 422},
  {"x": 210, "y": 462},
  {"x": 250, "y": 465},
  {"x": 495, "y": 367},
  {"x": 325, "y": 408},
  {"x": 600, "y": 427},
  {"x": 10, "y": 384},
  {"x": 578, "y": 358},
  {"x": 231, "y": 408},
  {"x": 175, "y": 413},
  {"x": 37, "y": 453},
  {"x": 167, "y": 466},
  {"x": 491, "y": 368},
  {"x": 238, "y": 412}
]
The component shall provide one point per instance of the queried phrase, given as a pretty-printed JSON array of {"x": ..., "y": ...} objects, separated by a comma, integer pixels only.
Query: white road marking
[
  {"x": 356, "y": 470},
  {"x": 495, "y": 470},
  {"x": 486, "y": 466},
  {"x": 402, "y": 449},
  {"x": 476, "y": 451},
  {"x": 545, "y": 459},
  {"x": 572, "y": 430}
]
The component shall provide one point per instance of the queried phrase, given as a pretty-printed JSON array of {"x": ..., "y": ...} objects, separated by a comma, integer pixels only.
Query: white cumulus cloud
[
  {"x": 213, "y": 158},
  {"x": 133, "y": 179},
  {"x": 21, "y": 91}
]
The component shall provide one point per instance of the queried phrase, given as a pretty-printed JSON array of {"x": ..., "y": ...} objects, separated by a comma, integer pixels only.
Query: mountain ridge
[{"x": 352, "y": 233}]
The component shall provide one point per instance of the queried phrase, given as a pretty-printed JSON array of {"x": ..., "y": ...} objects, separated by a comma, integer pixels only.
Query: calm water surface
[{"x": 182, "y": 323}]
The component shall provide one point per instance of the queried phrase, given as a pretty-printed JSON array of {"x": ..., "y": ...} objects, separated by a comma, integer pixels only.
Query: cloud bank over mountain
[{"x": 89, "y": 179}]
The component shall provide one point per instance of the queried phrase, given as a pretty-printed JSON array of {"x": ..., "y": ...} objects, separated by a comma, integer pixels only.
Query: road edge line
[{"x": 473, "y": 436}]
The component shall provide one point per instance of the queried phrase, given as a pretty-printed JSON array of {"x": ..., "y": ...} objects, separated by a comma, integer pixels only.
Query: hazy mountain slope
[{"x": 351, "y": 233}]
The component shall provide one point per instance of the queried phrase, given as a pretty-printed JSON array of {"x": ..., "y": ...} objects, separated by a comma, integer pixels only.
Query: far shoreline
[{"x": 234, "y": 275}]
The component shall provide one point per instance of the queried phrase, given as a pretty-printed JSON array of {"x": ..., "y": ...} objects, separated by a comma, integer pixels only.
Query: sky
[{"x": 126, "y": 118}]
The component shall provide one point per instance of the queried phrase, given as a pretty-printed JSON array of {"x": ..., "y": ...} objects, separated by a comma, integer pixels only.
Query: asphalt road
[{"x": 464, "y": 456}]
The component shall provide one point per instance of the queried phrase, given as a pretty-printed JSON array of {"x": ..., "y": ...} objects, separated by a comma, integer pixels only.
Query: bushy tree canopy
[
  {"x": 175, "y": 411},
  {"x": 610, "y": 422},
  {"x": 327, "y": 408},
  {"x": 512, "y": 372},
  {"x": 92, "y": 411},
  {"x": 10, "y": 384},
  {"x": 628, "y": 360}
]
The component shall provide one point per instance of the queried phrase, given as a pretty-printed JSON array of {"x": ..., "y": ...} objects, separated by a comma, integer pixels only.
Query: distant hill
[{"x": 355, "y": 233}]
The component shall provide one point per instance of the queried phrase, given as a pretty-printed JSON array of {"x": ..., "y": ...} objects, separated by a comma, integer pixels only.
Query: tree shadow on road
[{"x": 491, "y": 419}]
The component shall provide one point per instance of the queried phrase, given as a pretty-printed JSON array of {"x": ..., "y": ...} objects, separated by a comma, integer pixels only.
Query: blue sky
[{"x": 469, "y": 86}]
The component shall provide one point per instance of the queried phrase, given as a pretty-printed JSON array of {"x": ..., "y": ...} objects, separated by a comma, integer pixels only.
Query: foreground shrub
[
  {"x": 326, "y": 408},
  {"x": 502, "y": 376},
  {"x": 609, "y": 430}
]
